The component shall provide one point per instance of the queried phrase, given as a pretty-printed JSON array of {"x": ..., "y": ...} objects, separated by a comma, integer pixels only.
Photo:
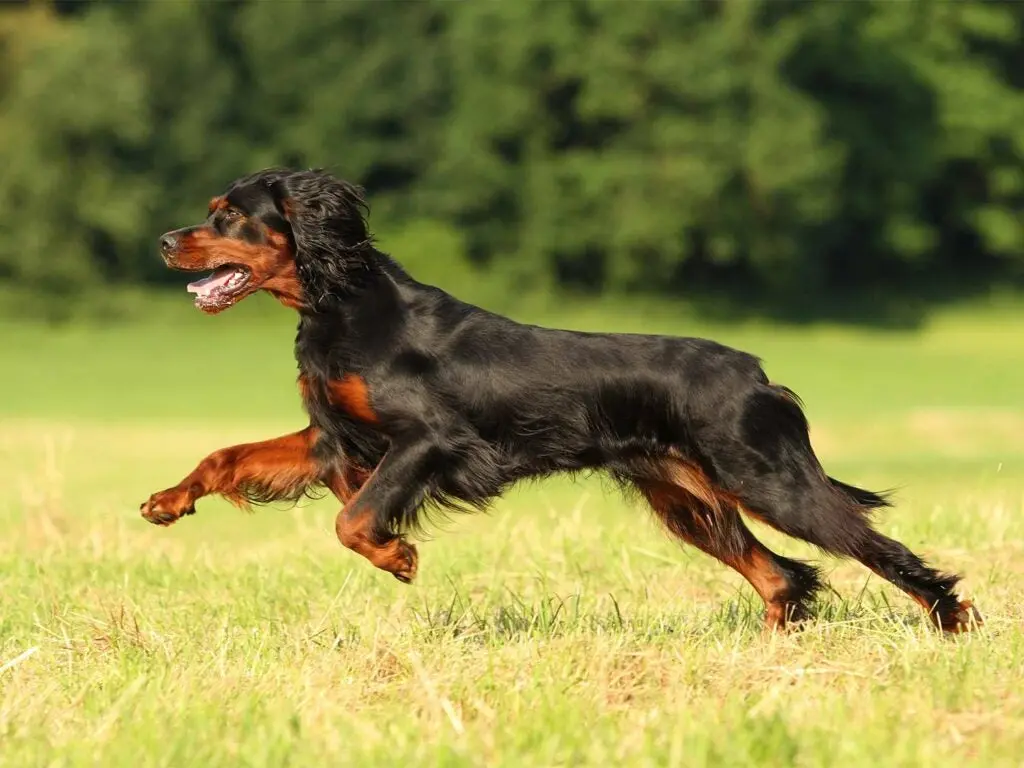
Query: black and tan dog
[{"x": 419, "y": 400}]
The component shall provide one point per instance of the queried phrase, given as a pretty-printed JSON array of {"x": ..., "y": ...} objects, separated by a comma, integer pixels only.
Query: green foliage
[
  {"x": 770, "y": 147},
  {"x": 68, "y": 197}
]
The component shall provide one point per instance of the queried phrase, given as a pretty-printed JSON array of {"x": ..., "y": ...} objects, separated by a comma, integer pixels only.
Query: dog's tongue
[{"x": 207, "y": 285}]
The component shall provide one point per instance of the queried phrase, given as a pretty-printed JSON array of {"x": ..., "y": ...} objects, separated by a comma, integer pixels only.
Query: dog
[{"x": 418, "y": 401}]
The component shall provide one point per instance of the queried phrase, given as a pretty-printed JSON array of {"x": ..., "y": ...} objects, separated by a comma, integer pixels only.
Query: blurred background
[{"x": 858, "y": 160}]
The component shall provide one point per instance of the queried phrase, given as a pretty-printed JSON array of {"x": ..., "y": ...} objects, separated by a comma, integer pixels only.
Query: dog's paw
[
  {"x": 964, "y": 619},
  {"x": 166, "y": 507},
  {"x": 405, "y": 562},
  {"x": 781, "y": 617}
]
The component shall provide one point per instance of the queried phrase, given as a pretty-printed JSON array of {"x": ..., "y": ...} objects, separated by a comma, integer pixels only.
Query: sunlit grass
[{"x": 562, "y": 629}]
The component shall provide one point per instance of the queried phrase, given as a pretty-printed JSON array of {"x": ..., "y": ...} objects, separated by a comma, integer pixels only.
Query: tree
[
  {"x": 69, "y": 190},
  {"x": 770, "y": 147}
]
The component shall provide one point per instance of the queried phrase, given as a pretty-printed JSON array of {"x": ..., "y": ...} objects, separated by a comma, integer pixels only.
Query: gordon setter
[{"x": 417, "y": 400}]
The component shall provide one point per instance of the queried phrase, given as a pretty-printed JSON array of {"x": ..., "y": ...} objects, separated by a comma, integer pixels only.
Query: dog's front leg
[
  {"x": 372, "y": 521},
  {"x": 268, "y": 470}
]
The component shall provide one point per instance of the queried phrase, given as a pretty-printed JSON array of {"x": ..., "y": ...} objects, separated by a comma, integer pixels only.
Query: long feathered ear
[{"x": 327, "y": 216}]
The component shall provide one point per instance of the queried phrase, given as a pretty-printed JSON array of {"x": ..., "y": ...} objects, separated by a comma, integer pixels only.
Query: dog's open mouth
[{"x": 222, "y": 288}]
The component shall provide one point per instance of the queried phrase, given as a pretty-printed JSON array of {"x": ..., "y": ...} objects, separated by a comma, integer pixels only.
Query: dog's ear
[
  {"x": 327, "y": 218},
  {"x": 314, "y": 204}
]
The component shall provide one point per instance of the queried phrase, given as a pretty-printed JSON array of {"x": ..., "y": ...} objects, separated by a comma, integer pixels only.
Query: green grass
[{"x": 563, "y": 629}]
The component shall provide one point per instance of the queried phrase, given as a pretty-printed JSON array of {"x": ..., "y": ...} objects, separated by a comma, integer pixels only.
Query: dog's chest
[
  {"x": 342, "y": 411},
  {"x": 329, "y": 398},
  {"x": 330, "y": 388}
]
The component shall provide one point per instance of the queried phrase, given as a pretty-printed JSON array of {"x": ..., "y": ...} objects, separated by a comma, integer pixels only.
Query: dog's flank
[{"x": 418, "y": 401}]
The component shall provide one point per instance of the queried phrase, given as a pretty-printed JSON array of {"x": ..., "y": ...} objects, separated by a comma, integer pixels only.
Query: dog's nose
[{"x": 168, "y": 242}]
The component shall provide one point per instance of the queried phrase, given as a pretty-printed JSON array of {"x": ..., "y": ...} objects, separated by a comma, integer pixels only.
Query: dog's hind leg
[
  {"x": 797, "y": 498},
  {"x": 934, "y": 591},
  {"x": 843, "y": 529},
  {"x": 695, "y": 512}
]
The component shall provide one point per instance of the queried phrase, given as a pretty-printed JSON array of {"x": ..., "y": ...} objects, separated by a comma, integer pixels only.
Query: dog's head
[{"x": 295, "y": 234}]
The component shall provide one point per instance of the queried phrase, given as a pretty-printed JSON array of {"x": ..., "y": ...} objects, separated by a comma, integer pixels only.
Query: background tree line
[{"x": 768, "y": 148}]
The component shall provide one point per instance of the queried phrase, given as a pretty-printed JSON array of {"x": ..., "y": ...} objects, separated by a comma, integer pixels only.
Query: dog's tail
[{"x": 864, "y": 498}]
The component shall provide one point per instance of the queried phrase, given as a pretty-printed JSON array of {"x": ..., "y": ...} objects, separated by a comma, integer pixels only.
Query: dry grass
[{"x": 565, "y": 629}]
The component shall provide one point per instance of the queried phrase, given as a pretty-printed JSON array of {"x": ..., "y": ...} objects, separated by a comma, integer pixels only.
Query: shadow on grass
[{"x": 512, "y": 617}]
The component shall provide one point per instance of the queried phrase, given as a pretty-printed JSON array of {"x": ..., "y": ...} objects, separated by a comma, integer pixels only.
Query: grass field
[{"x": 564, "y": 629}]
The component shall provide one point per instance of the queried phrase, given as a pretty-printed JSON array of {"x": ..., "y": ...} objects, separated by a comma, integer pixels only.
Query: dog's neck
[
  {"x": 361, "y": 312},
  {"x": 331, "y": 282}
]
